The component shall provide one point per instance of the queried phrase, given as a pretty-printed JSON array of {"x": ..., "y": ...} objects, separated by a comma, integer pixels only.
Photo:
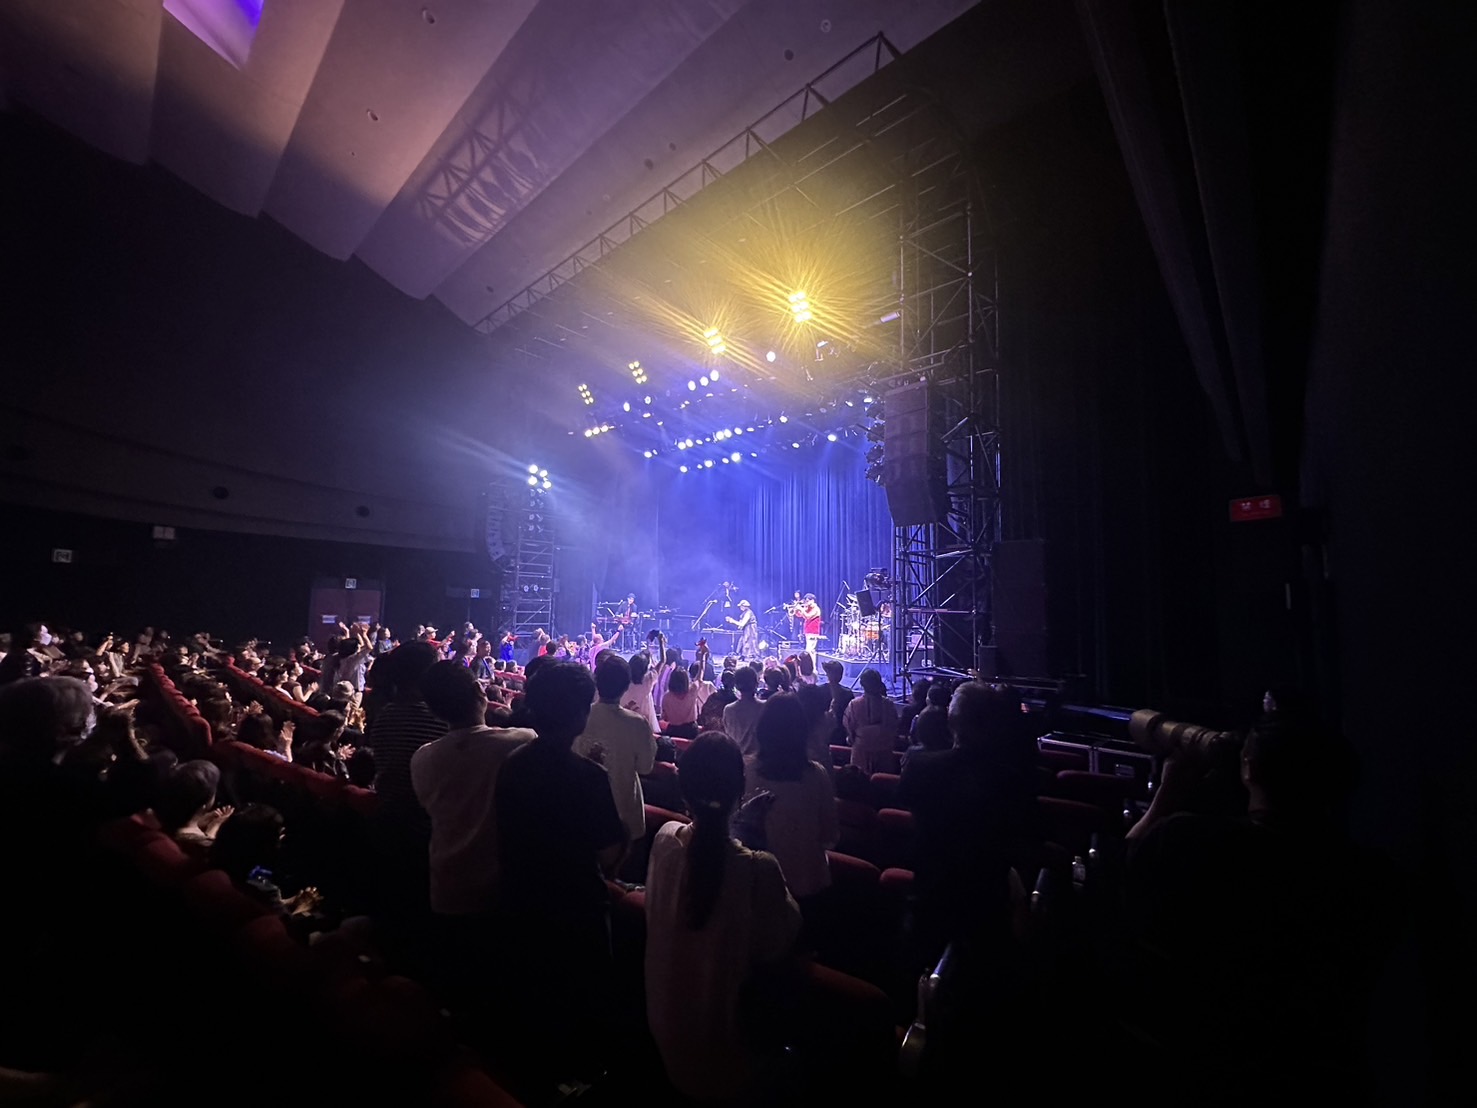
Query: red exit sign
[{"x": 1255, "y": 507}]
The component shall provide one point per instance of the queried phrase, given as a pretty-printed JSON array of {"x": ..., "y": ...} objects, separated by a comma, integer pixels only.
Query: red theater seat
[
  {"x": 884, "y": 789},
  {"x": 1071, "y": 824},
  {"x": 219, "y": 904},
  {"x": 895, "y": 832},
  {"x": 859, "y": 827}
]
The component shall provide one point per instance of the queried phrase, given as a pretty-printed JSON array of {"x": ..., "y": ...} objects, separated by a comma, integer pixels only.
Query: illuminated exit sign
[{"x": 1256, "y": 507}]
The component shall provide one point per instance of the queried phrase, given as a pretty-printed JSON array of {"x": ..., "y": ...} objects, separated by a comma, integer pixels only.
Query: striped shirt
[{"x": 395, "y": 733}]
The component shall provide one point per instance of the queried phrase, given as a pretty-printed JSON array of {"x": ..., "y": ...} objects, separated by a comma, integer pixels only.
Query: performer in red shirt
[{"x": 810, "y": 612}]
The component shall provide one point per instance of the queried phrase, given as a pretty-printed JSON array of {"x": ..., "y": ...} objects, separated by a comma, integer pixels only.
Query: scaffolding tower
[
  {"x": 948, "y": 299},
  {"x": 522, "y": 540}
]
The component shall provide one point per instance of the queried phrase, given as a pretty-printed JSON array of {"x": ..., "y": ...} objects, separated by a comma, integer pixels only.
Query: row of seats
[
  {"x": 185, "y": 730},
  {"x": 274, "y": 702},
  {"x": 384, "y": 1034},
  {"x": 329, "y": 792}
]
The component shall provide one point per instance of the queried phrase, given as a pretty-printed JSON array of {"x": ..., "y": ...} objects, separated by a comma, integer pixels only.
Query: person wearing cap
[{"x": 748, "y": 629}]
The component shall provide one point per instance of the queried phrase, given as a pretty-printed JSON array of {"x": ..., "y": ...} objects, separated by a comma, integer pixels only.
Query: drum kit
[{"x": 864, "y": 618}]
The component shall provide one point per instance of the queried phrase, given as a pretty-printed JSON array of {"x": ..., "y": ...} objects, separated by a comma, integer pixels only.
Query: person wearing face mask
[{"x": 28, "y": 655}]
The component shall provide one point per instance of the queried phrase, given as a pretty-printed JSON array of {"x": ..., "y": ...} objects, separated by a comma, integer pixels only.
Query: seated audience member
[
  {"x": 680, "y": 706},
  {"x": 28, "y": 654},
  {"x": 454, "y": 779},
  {"x": 716, "y": 913},
  {"x": 638, "y": 698},
  {"x": 871, "y": 725},
  {"x": 260, "y": 730},
  {"x": 360, "y": 767},
  {"x": 1266, "y": 922},
  {"x": 558, "y": 832},
  {"x": 841, "y": 696},
  {"x": 800, "y": 822},
  {"x": 742, "y": 716},
  {"x": 940, "y": 692},
  {"x": 619, "y": 740},
  {"x": 973, "y": 807},
  {"x": 186, "y": 806},
  {"x": 930, "y": 733},
  {"x": 320, "y": 744},
  {"x": 247, "y": 846}
]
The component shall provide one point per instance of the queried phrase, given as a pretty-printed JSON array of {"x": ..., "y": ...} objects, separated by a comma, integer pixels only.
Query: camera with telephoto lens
[{"x": 1158, "y": 734}]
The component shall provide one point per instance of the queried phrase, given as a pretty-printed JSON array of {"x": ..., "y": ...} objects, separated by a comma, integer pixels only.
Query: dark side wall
[{"x": 157, "y": 348}]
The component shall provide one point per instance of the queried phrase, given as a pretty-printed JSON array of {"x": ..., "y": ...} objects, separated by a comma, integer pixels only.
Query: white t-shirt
[
  {"x": 453, "y": 778},
  {"x": 739, "y": 721},
  {"x": 694, "y": 978},
  {"x": 627, "y": 750},
  {"x": 801, "y": 824},
  {"x": 638, "y": 699}
]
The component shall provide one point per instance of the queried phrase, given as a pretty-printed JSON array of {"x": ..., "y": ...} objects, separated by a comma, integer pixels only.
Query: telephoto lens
[{"x": 1158, "y": 734}]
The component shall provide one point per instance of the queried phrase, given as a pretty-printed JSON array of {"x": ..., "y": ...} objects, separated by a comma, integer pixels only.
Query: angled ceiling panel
[
  {"x": 528, "y": 121},
  {"x": 86, "y": 65},
  {"x": 722, "y": 86},
  {"x": 224, "y": 129},
  {"x": 392, "y": 79}
]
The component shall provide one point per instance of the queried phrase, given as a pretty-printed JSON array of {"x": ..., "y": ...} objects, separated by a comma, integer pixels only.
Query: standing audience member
[
  {"x": 841, "y": 696},
  {"x": 716, "y": 914},
  {"x": 871, "y": 725},
  {"x": 559, "y": 836},
  {"x": 974, "y": 808},
  {"x": 917, "y": 701},
  {"x": 680, "y": 705},
  {"x": 619, "y": 740},
  {"x": 742, "y": 716},
  {"x": 800, "y": 822},
  {"x": 455, "y": 780},
  {"x": 819, "y": 723},
  {"x": 638, "y": 698},
  {"x": 710, "y": 716}
]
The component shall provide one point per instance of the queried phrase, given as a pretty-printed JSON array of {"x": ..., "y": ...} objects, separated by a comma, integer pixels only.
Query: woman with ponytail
[{"x": 716, "y": 912}]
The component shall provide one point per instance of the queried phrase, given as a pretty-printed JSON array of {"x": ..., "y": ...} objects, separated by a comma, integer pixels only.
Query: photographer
[{"x": 1252, "y": 912}]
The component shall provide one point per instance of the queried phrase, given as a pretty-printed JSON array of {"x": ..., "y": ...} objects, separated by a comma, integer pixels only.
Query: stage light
[
  {"x": 866, "y": 400},
  {"x": 725, "y": 461},
  {"x": 626, "y": 407},
  {"x": 770, "y": 356},
  {"x": 753, "y": 453},
  {"x": 709, "y": 463},
  {"x": 703, "y": 381},
  {"x": 647, "y": 400},
  {"x": 543, "y": 473},
  {"x": 692, "y": 386},
  {"x": 750, "y": 430},
  {"x": 645, "y": 415},
  {"x": 874, "y": 472},
  {"x": 587, "y": 432},
  {"x": 715, "y": 342},
  {"x": 647, "y": 453},
  {"x": 831, "y": 437},
  {"x": 548, "y": 484},
  {"x": 875, "y": 453},
  {"x": 533, "y": 469},
  {"x": 586, "y": 395},
  {"x": 796, "y": 445},
  {"x": 713, "y": 374},
  {"x": 533, "y": 480},
  {"x": 784, "y": 419},
  {"x": 682, "y": 468},
  {"x": 800, "y": 307},
  {"x": 736, "y": 456},
  {"x": 876, "y": 432},
  {"x": 637, "y": 373},
  {"x": 738, "y": 430}
]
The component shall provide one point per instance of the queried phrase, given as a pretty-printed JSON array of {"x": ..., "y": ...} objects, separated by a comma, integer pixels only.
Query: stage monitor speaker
[
  {"x": 1018, "y": 608},
  {"x": 914, "y": 469}
]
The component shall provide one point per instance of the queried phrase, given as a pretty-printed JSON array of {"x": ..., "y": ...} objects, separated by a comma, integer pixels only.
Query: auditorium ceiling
[{"x": 458, "y": 148}]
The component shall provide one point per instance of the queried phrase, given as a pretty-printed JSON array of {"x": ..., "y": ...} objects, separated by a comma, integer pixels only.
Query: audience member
[
  {"x": 815, "y": 701},
  {"x": 800, "y": 822},
  {"x": 930, "y": 733},
  {"x": 973, "y": 807},
  {"x": 917, "y": 701},
  {"x": 717, "y": 914},
  {"x": 841, "y": 696},
  {"x": 186, "y": 806},
  {"x": 871, "y": 724},
  {"x": 619, "y": 740},
  {"x": 680, "y": 705},
  {"x": 742, "y": 716},
  {"x": 638, "y": 697},
  {"x": 559, "y": 834}
]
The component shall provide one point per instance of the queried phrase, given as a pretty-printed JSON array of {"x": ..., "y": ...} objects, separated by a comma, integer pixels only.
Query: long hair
[
  {"x": 712, "y": 780},
  {"x": 780, "y": 735}
]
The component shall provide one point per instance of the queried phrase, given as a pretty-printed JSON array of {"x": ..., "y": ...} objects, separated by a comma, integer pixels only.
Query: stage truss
[
  {"x": 522, "y": 540},
  {"x": 949, "y": 304}
]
